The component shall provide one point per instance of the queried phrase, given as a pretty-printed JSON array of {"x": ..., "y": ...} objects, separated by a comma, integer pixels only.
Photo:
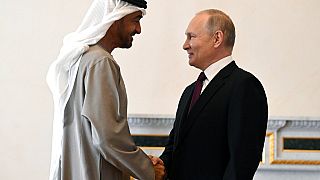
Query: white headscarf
[{"x": 62, "y": 72}]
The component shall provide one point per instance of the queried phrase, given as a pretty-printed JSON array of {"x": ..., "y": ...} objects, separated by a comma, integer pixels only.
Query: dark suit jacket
[{"x": 223, "y": 136}]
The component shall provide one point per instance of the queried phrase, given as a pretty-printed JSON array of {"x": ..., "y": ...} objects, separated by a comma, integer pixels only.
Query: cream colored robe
[{"x": 96, "y": 140}]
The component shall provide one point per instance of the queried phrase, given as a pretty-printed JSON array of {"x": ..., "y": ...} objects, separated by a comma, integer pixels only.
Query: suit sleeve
[
  {"x": 110, "y": 131},
  {"x": 166, "y": 156},
  {"x": 247, "y": 121}
]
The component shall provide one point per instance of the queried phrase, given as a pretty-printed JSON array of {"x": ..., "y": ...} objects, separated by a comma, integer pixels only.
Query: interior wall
[{"x": 276, "y": 40}]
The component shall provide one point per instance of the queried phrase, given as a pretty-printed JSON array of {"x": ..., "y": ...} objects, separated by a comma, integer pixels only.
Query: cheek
[
  {"x": 132, "y": 28},
  {"x": 126, "y": 31},
  {"x": 194, "y": 44},
  {"x": 191, "y": 43}
]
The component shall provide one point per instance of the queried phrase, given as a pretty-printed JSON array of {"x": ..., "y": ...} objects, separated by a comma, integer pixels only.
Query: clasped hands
[{"x": 158, "y": 166}]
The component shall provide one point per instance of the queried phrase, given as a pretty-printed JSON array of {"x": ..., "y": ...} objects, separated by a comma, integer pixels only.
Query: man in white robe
[{"x": 91, "y": 138}]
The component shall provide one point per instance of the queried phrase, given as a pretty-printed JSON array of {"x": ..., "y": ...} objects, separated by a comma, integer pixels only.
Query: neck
[
  {"x": 109, "y": 41},
  {"x": 218, "y": 56},
  {"x": 222, "y": 55},
  {"x": 106, "y": 45}
]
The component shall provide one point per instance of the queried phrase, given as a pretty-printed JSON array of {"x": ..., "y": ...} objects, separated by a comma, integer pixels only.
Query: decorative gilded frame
[{"x": 273, "y": 160}]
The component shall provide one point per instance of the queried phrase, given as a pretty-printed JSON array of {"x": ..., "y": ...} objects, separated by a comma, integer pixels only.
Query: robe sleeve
[{"x": 105, "y": 107}]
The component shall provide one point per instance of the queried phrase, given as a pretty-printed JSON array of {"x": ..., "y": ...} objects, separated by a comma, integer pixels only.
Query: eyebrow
[
  {"x": 138, "y": 17},
  {"x": 189, "y": 33}
]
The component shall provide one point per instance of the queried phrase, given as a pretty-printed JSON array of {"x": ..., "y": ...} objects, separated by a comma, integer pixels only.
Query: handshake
[{"x": 158, "y": 166}]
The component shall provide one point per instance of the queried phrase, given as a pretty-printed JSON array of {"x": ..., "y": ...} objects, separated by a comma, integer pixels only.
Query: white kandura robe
[{"x": 96, "y": 140}]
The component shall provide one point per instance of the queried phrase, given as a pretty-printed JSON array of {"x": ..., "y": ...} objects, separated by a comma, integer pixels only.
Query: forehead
[
  {"x": 134, "y": 15},
  {"x": 197, "y": 24}
]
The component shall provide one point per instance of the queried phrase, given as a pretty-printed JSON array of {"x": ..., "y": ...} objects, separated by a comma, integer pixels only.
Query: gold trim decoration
[
  {"x": 296, "y": 162},
  {"x": 272, "y": 159},
  {"x": 271, "y": 146},
  {"x": 299, "y": 150}
]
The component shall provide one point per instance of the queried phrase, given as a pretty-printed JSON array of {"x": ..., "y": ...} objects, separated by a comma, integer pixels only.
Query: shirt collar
[{"x": 214, "y": 68}]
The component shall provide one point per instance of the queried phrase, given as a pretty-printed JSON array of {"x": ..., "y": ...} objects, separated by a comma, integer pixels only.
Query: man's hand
[
  {"x": 155, "y": 160},
  {"x": 158, "y": 166},
  {"x": 159, "y": 171}
]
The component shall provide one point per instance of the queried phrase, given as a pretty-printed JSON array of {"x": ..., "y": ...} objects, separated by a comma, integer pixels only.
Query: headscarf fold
[{"x": 62, "y": 72}]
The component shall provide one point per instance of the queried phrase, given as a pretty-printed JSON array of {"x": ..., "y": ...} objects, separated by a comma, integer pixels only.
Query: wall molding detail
[{"x": 274, "y": 155}]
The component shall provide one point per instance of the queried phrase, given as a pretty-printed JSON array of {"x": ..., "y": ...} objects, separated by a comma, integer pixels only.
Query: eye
[
  {"x": 190, "y": 36},
  {"x": 137, "y": 19}
]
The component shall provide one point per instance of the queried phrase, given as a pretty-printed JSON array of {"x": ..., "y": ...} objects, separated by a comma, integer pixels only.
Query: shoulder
[
  {"x": 241, "y": 75},
  {"x": 189, "y": 88},
  {"x": 244, "y": 81},
  {"x": 97, "y": 57}
]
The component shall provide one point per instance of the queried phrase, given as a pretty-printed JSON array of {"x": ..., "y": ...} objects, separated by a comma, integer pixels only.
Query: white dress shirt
[{"x": 213, "y": 70}]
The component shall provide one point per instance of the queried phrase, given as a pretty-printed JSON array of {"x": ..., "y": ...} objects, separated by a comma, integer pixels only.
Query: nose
[
  {"x": 186, "y": 45},
  {"x": 138, "y": 28}
]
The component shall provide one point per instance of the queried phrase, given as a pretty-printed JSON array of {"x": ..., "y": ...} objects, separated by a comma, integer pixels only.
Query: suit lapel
[
  {"x": 213, "y": 87},
  {"x": 182, "y": 111}
]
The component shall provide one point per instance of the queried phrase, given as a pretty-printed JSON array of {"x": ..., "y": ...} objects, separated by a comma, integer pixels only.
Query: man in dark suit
[{"x": 220, "y": 134}]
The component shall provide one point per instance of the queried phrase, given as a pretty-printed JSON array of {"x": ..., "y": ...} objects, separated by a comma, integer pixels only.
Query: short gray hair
[{"x": 219, "y": 20}]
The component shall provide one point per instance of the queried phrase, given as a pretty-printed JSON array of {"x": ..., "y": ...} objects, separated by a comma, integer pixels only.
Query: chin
[
  {"x": 129, "y": 46},
  {"x": 191, "y": 63},
  {"x": 129, "y": 43},
  {"x": 126, "y": 45}
]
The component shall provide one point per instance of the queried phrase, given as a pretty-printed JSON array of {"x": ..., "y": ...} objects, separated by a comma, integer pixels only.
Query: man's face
[
  {"x": 198, "y": 44},
  {"x": 129, "y": 25}
]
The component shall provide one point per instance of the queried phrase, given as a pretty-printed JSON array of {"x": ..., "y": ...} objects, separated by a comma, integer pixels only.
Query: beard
[{"x": 126, "y": 42}]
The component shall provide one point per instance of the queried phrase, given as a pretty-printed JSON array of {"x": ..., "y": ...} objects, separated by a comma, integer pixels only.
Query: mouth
[
  {"x": 130, "y": 39},
  {"x": 190, "y": 55}
]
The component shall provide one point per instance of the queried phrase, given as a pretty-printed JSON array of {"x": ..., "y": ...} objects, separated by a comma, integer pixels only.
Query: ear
[{"x": 217, "y": 38}]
